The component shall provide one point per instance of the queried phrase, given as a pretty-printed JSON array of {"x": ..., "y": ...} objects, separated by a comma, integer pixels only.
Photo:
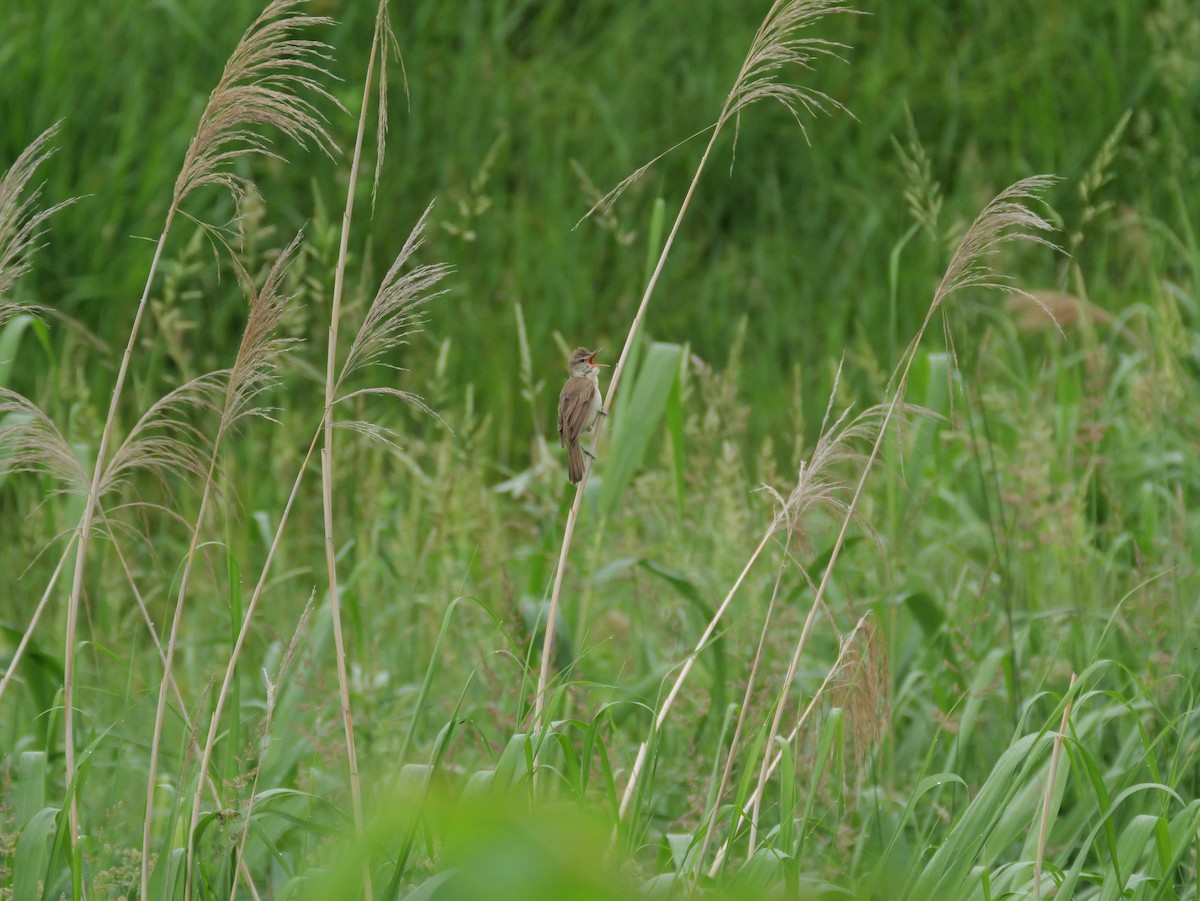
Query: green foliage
[{"x": 1041, "y": 523}]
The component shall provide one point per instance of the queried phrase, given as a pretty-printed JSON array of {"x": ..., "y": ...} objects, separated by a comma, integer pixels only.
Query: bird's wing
[
  {"x": 562, "y": 402},
  {"x": 573, "y": 408}
]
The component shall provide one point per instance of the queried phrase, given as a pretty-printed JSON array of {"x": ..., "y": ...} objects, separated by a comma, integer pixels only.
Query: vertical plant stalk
[
  {"x": 727, "y": 771},
  {"x": 776, "y": 44},
  {"x": 83, "y": 533},
  {"x": 214, "y": 725},
  {"x": 253, "y": 371},
  {"x": 1044, "y": 827},
  {"x": 573, "y": 515},
  {"x": 327, "y": 464}
]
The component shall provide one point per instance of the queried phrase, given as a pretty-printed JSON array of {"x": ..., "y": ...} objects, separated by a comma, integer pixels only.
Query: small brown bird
[{"x": 578, "y": 406}]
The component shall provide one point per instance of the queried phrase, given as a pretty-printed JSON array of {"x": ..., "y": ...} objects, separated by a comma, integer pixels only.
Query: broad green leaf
[
  {"x": 10, "y": 341},
  {"x": 639, "y": 420},
  {"x": 32, "y": 852},
  {"x": 31, "y": 786}
]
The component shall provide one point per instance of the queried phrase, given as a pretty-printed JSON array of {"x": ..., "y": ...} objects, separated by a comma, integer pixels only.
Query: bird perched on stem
[{"x": 578, "y": 406}]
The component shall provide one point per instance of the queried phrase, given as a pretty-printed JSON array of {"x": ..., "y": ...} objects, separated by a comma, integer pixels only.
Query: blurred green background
[{"x": 521, "y": 111}]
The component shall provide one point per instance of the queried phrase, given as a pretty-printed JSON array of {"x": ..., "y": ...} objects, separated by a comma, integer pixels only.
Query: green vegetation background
[{"x": 517, "y": 108}]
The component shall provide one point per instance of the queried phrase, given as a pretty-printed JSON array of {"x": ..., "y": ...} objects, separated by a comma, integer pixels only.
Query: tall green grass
[{"x": 984, "y": 687}]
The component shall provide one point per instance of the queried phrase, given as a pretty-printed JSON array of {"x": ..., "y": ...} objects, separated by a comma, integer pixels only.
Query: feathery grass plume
[
  {"x": 863, "y": 689},
  {"x": 256, "y": 367},
  {"x": 264, "y": 83},
  {"x": 395, "y": 313},
  {"x": 384, "y": 39},
  {"x": 776, "y": 44},
  {"x": 31, "y": 442},
  {"x": 254, "y": 371},
  {"x": 166, "y": 442},
  {"x": 1005, "y": 219},
  {"x": 20, "y": 220},
  {"x": 780, "y": 42}
]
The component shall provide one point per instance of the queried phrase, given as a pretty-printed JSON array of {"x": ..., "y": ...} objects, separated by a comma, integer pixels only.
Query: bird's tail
[{"x": 575, "y": 461}]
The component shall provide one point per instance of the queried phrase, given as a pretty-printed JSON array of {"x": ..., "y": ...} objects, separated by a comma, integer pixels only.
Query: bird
[{"x": 578, "y": 406}]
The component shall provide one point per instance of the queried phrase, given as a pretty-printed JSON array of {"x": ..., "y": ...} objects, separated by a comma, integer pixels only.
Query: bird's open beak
[{"x": 592, "y": 358}]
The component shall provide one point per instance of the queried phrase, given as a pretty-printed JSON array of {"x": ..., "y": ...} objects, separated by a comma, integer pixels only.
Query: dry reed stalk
[
  {"x": 261, "y": 85},
  {"x": 1006, "y": 218},
  {"x": 1044, "y": 826},
  {"x": 254, "y": 371},
  {"x": 243, "y": 869},
  {"x": 265, "y": 730},
  {"x": 20, "y": 219},
  {"x": 777, "y": 43},
  {"x": 378, "y": 48}
]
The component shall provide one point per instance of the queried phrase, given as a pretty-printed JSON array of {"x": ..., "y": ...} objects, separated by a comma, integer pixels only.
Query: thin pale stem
[
  {"x": 335, "y": 606},
  {"x": 169, "y": 653},
  {"x": 573, "y": 516},
  {"x": 665, "y": 708},
  {"x": 214, "y": 726},
  {"x": 37, "y": 615},
  {"x": 85, "y": 528},
  {"x": 1044, "y": 827},
  {"x": 727, "y": 772}
]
